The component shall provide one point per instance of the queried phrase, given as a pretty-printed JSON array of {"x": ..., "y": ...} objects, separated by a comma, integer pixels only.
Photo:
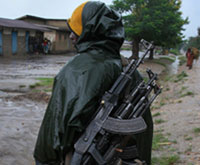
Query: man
[{"x": 98, "y": 34}]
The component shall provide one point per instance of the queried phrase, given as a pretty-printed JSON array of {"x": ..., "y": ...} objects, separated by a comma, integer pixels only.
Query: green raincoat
[{"x": 80, "y": 84}]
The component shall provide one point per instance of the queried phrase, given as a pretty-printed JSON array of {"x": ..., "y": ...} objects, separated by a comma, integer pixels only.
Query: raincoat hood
[{"x": 97, "y": 26}]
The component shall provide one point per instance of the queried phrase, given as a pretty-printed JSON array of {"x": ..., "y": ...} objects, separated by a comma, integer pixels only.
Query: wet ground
[
  {"x": 179, "y": 117},
  {"x": 20, "y": 118}
]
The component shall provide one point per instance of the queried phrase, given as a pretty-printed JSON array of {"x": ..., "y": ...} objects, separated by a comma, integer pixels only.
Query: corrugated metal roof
[
  {"x": 20, "y": 24},
  {"x": 40, "y": 18}
]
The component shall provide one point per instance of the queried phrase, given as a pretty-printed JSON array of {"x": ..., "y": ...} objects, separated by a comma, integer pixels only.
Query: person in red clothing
[
  {"x": 190, "y": 58},
  {"x": 45, "y": 46}
]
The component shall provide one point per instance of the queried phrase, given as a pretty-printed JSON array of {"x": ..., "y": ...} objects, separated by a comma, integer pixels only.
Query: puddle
[
  {"x": 128, "y": 53},
  {"x": 172, "y": 68},
  {"x": 20, "y": 118}
]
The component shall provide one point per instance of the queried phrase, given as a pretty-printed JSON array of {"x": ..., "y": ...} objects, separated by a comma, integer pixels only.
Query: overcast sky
[{"x": 63, "y": 9}]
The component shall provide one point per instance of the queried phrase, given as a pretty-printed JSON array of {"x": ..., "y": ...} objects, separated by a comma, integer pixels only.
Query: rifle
[{"x": 119, "y": 114}]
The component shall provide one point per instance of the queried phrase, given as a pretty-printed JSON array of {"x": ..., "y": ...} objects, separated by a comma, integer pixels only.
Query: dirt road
[
  {"x": 176, "y": 113},
  {"x": 20, "y": 118},
  {"x": 177, "y": 117}
]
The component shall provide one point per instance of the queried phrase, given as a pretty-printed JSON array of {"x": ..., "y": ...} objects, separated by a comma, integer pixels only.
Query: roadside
[{"x": 176, "y": 116}]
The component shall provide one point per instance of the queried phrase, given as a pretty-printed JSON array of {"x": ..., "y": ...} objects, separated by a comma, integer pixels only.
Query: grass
[
  {"x": 32, "y": 86},
  {"x": 162, "y": 103},
  {"x": 44, "y": 82},
  {"x": 182, "y": 60},
  {"x": 188, "y": 138},
  {"x": 171, "y": 59},
  {"x": 158, "y": 140},
  {"x": 168, "y": 78},
  {"x": 175, "y": 51},
  {"x": 157, "y": 61},
  {"x": 196, "y": 130},
  {"x": 156, "y": 114},
  {"x": 189, "y": 93},
  {"x": 165, "y": 160},
  {"x": 22, "y": 86},
  {"x": 179, "y": 101},
  {"x": 126, "y": 48},
  {"x": 180, "y": 76},
  {"x": 36, "y": 90},
  {"x": 159, "y": 121},
  {"x": 167, "y": 89}
]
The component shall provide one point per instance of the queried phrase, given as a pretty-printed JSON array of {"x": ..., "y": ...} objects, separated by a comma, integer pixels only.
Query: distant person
[
  {"x": 45, "y": 46},
  {"x": 190, "y": 58}
]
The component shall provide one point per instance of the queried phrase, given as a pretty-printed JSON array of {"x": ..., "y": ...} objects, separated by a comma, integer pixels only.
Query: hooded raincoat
[{"x": 80, "y": 84}]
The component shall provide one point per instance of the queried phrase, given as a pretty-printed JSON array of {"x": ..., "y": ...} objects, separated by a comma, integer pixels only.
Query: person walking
[{"x": 190, "y": 58}]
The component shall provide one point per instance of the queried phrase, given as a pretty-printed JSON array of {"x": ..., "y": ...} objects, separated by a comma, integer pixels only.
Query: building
[
  {"x": 15, "y": 34},
  {"x": 58, "y": 34}
]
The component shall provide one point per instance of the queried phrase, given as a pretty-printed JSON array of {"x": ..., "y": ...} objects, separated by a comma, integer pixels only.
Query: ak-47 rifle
[{"x": 119, "y": 114}]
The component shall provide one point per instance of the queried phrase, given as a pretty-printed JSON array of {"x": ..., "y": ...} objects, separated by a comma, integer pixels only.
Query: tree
[
  {"x": 153, "y": 20},
  {"x": 194, "y": 42},
  {"x": 198, "y": 30}
]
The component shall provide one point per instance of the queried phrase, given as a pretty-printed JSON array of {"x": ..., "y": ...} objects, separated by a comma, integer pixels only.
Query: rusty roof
[
  {"x": 40, "y": 18},
  {"x": 4, "y": 22}
]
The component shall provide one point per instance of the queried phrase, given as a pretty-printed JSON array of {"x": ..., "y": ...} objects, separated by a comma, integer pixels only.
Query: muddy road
[
  {"x": 20, "y": 118},
  {"x": 21, "y": 115}
]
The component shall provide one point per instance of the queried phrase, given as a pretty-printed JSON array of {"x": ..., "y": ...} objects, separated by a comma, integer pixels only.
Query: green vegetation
[
  {"x": 125, "y": 48},
  {"x": 22, "y": 86},
  {"x": 183, "y": 88},
  {"x": 155, "y": 107},
  {"x": 36, "y": 90},
  {"x": 174, "y": 51},
  {"x": 193, "y": 42},
  {"x": 179, "y": 101},
  {"x": 196, "y": 130},
  {"x": 188, "y": 138},
  {"x": 156, "y": 114},
  {"x": 184, "y": 93},
  {"x": 162, "y": 103},
  {"x": 167, "y": 89},
  {"x": 171, "y": 58},
  {"x": 32, "y": 86},
  {"x": 159, "y": 140},
  {"x": 146, "y": 79},
  {"x": 168, "y": 78},
  {"x": 159, "y": 121},
  {"x": 175, "y": 78},
  {"x": 165, "y": 160},
  {"x": 180, "y": 76},
  {"x": 182, "y": 60},
  {"x": 157, "y": 61},
  {"x": 143, "y": 19},
  {"x": 189, "y": 93},
  {"x": 45, "y": 83}
]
